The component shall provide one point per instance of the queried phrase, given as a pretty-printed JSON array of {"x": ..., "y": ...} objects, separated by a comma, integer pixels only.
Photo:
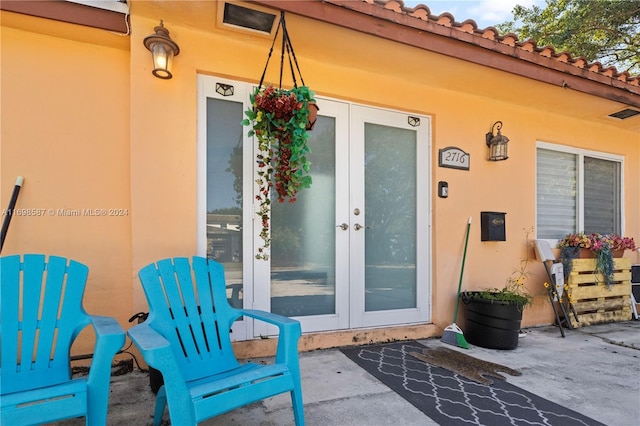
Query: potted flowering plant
[
  {"x": 493, "y": 315},
  {"x": 619, "y": 244},
  {"x": 602, "y": 247},
  {"x": 280, "y": 120}
]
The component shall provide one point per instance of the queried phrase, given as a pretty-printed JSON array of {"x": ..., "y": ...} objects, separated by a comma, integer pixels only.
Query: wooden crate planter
[{"x": 594, "y": 302}]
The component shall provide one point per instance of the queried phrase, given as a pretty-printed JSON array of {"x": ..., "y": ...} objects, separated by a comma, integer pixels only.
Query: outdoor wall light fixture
[
  {"x": 497, "y": 143},
  {"x": 163, "y": 49}
]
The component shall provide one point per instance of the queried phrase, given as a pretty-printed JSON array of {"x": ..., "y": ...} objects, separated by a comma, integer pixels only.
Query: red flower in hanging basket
[{"x": 279, "y": 119}]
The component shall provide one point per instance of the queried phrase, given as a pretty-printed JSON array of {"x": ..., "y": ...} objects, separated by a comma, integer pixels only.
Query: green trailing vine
[
  {"x": 279, "y": 120},
  {"x": 604, "y": 264}
]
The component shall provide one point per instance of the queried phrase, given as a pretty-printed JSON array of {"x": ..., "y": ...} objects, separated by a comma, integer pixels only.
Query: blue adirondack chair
[
  {"x": 41, "y": 314},
  {"x": 186, "y": 337}
]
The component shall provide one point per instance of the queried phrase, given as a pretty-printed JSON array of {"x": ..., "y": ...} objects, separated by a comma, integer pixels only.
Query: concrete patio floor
[{"x": 595, "y": 370}]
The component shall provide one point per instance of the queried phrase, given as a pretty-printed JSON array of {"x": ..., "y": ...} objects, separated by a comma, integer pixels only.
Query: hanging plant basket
[{"x": 280, "y": 120}]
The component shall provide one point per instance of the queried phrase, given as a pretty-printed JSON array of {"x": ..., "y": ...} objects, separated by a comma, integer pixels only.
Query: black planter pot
[{"x": 492, "y": 324}]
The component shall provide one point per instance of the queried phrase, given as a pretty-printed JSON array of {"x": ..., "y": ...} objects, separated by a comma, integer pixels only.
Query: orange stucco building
[{"x": 121, "y": 168}]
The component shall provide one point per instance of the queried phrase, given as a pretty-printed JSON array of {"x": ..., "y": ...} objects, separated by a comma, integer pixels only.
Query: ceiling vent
[
  {"x": 251, "y": 19},
  {"x": 624, "y": 114}
]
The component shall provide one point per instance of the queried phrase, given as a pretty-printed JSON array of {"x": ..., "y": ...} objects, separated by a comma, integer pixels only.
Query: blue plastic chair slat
[
  {"x": 31, "y": 292},
  {"x": 206, "y": 307},
  {"x": 186, "y": 337},
  {"x": 10, "y": 290},
  {"x": 51, "y": 300},
  {"x": 60, "y": 297},
  {"x": 210, "y": 279},
  {"x": 176, "y": 284},
  {"x": 190, "y": 324},
  {"x": 42, "y": 314},
  {"x": 72, "y": 318}
]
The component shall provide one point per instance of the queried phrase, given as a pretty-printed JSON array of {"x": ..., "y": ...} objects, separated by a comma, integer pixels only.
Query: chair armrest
[
  {"x": 290, "y": 332},
  {"x": 151, "y": 344},
  {"x": 110, "y": 338},
  {"x": 157, "y": 353},
  {"x": 107, "y": 326},
  {"x": 275, "y": 319},
  {"x": 109, "y": 334}
]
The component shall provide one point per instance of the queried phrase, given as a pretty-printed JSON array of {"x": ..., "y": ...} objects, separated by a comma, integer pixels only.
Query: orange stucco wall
[
  {"x": 65, "y": 128},
  {"x": 89, "y": 127}
]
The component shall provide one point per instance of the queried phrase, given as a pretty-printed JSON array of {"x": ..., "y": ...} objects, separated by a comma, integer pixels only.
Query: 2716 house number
[{"x": 454, "y": 158}]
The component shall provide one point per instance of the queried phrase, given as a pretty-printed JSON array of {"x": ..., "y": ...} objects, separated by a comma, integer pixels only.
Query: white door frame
[
  {"x": 349, "y": 193},
  {"x": 421, "y": 313}
]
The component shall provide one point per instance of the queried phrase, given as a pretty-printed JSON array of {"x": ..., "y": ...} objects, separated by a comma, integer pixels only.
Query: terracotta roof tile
[
  {"x": 580, "y": 62},
  {"x": 445, "y": 19},
  {"x": 509, "y": 39},
  {"x": 610, "y": 72},
  {"x": 469, "y": 26},
  {"x": 547, "y": 51},
  {"x": 490, "y": 33},
  {"x": 529, "y": 45},
  {"x": 595, "y": 67},
  {"x": 624, "y": 76},
  {"x": 396, "y": 6},
  {"x": 421, "y": 13}
]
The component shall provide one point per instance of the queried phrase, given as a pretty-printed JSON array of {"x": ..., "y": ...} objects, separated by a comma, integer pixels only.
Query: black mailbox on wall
[{"x": 492, "y": 226}]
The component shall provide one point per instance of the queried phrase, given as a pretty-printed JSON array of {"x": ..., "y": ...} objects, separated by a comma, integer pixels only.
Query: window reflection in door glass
[
  {"x": 224, "y": 191},
  {"x": 390, "y": 208},
  {"x": 303, "y": 236}
]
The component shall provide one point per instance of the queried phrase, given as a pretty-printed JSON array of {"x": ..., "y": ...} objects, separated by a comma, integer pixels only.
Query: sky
[{"x": 486, "y": 13}]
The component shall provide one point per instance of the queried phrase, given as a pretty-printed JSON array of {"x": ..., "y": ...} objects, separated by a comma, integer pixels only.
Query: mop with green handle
[{"x": 452, "y": 334}]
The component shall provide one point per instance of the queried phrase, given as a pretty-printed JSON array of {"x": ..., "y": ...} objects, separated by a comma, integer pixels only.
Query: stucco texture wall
[
  {"x": 65, "y": 129},
  {"x": 90, "y": 127},
  {"x": 342, "y": 64}
]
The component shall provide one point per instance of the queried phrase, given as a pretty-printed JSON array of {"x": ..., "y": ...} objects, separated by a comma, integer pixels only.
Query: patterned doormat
[{"x": 450, "y": 399}]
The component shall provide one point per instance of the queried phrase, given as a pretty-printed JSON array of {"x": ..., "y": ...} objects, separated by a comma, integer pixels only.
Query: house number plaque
[{"x": 454, "y": 158}]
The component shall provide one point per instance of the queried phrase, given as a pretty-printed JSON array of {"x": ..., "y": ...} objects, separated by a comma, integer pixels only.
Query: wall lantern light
[
  {"x": 497, "y": 143},
  {"x": 163, "y": 49}
]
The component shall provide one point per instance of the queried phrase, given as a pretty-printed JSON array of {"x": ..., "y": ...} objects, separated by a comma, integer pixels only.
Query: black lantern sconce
[
  {"x": 163, "y": 49},
  {"x": 497, "y": 143}
]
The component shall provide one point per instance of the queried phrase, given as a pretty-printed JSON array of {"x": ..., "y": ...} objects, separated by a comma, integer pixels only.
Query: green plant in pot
[
  {"x": 280, "y": 120},
  {"x": 493, "y": 315}
]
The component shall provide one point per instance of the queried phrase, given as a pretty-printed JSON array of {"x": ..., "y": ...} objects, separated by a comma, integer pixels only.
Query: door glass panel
[
  {"x": 390, "y": 208},
  {"x": 224, "y": 192},
  {"x": 303, "y": 236}
]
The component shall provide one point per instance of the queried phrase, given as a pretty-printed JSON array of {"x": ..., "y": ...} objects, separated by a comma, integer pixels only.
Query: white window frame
[{"x": 581, "y": 153}]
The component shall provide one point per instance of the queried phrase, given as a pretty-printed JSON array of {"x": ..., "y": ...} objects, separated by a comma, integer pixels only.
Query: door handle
[
  {"x": 344, "y": 226},
  {"x": 358, "y": 227}
]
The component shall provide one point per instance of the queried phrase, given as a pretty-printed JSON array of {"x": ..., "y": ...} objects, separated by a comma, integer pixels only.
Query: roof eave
[{"x": 102, "y": 15}]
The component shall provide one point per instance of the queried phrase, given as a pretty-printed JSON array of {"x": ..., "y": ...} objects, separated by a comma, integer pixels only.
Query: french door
[
  {"x": 388, "y": 217},
  {"x": 354, "y": 249}
]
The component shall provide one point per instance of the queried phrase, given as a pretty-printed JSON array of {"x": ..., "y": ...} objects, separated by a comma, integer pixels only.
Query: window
[{"x": 577, "y": 190}]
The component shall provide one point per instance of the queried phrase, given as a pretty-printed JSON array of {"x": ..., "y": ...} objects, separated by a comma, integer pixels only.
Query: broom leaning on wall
[{"x": 452, "y": 334}]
